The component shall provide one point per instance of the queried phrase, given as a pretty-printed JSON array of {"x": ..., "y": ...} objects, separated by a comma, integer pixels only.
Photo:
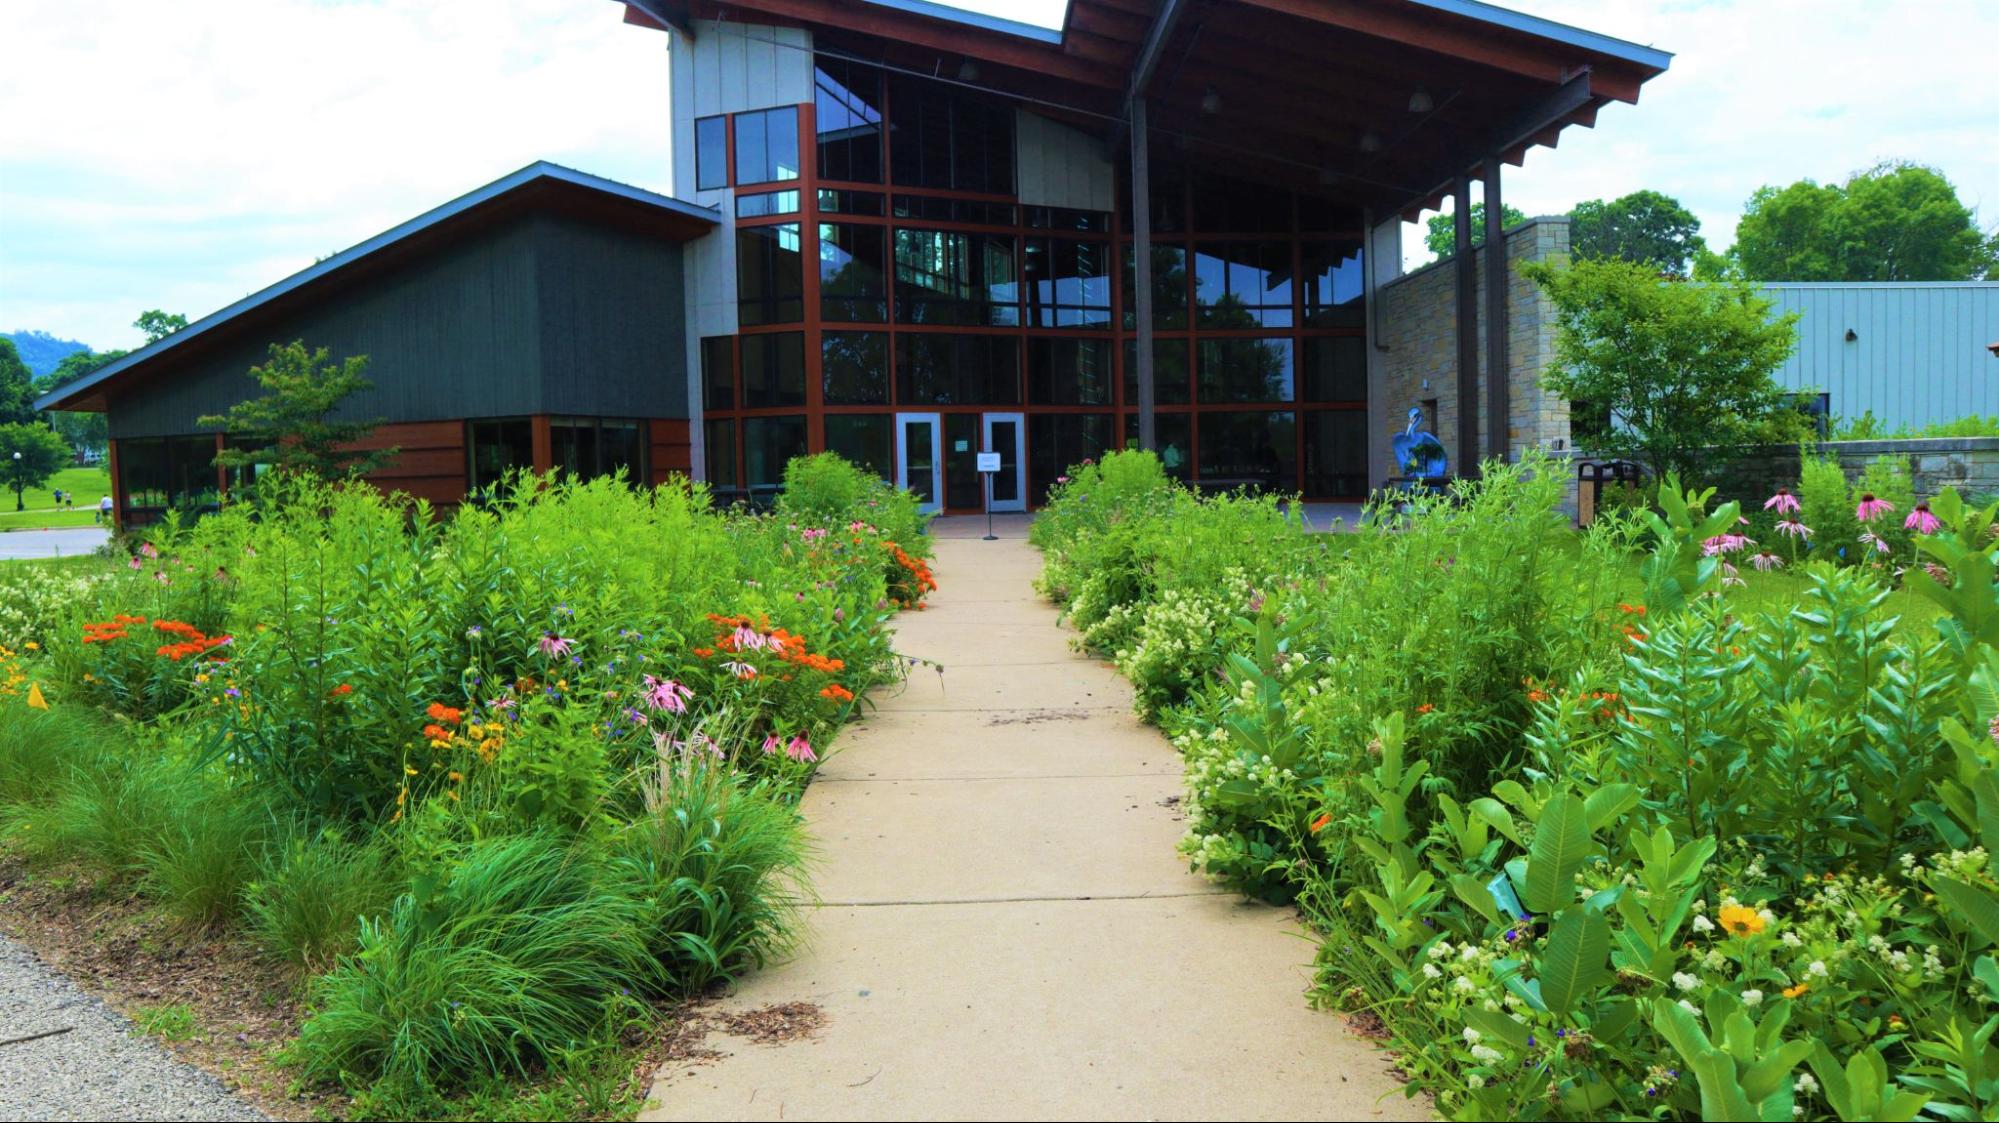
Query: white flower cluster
[{"x": 35, "y": 603}]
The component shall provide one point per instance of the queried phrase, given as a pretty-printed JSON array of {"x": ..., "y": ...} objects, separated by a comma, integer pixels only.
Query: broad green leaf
[
  {"x": 1561, "y": 838},
  {"x": 1496, "y": 1025},
  {"x": 1978, "y": 907},
  {"x": 1573, "y": 963},
  {"x": 1607, "y": 803}
]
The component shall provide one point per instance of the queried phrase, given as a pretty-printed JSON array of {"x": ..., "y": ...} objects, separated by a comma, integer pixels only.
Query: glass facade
[{"x": 936, "y": 290}]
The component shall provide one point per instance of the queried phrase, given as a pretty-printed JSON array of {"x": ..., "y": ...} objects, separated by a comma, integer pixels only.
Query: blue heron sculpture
[{"x": 1419, "y": 454}]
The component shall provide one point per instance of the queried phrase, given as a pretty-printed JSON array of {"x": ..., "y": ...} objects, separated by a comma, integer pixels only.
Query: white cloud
[{"x": 182, "y": 155}]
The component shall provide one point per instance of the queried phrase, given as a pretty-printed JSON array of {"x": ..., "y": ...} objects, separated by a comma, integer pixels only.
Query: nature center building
[{"x": 908, "y": 233}]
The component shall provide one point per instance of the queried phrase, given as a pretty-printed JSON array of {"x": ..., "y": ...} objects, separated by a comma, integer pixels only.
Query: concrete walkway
[{"x": 1006, "y": 931}]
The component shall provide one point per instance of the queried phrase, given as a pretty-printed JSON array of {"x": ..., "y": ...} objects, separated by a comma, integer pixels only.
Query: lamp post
[{"x": 18, "y": 505}]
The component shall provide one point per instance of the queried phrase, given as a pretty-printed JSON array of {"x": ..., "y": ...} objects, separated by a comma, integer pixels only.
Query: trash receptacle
[{"x": 1592, "y": 475}]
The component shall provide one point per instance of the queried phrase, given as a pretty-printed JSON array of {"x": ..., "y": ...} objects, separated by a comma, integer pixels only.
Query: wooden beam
[
  {"x": 1425, "y": 30},
  {"x": 1465, "y": 277},
  {"x": 1498, "y": 391},
  {"x": 1149, "y": 53}
]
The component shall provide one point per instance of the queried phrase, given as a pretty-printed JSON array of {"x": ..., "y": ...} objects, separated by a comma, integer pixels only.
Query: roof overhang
[
  {"x": 541, "y": 187},
  {"x": 1314, "y": 93}
]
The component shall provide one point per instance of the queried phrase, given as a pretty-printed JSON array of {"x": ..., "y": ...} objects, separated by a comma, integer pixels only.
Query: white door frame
[
  {"x": 1017, "y": 454},
  {"x": 936, "y": 456}
]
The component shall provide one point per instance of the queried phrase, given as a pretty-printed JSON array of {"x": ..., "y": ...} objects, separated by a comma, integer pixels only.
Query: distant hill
[{"x": 42, "y": 351}]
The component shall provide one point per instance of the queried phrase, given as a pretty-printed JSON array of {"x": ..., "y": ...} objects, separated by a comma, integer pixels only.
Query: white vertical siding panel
[{"x": 1057, "y": 166}]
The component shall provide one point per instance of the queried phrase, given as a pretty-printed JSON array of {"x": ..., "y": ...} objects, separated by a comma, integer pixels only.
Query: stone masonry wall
[
  {"x": 1969, "y": 464},
  {"x": 1417, "y": 340}
]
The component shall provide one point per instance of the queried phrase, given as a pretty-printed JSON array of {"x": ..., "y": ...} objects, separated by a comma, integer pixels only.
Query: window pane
[
  {"x": 770, "y": 275},
  {"x": 932, "y": 208},
  {"x": 621, "y": 447},
  {"x": 1068, "y": 283},
  {"x": 854, "y": 368},
  {"x": 711, "y": 153},
  {"x": 866, "y": 439},
  {"x": 769, "y": 443},
  {"x": 847, "y": 113},
  {"x": 1335, "y": 369},
  {"x": 948, "y": 139},
  {"x": 718, "y": 372},
  {"x": 719, "y": 450},
  {"x": 953, "y": 369},
  {"x": 1069, "y": 372},
  {"x": 1233, "y": 206},
  {"x": 1255, "y": 450},
  {"x": 851, "y": 285},
  {"x": 1336, "y": 453},
  {"x": 1064, "y": 218},
  {"x": 1170, "y": 384},
  {"x": 950, "y": 278},
  {"x": 1245, "y": 370},
  {"x": 1057, "y": 442},
  {"x": 1334, "y": 285},
  {"x": 496, "y": 448},
  {"x": 767, "y": 145},
  {"x": 142, "y": 473},
  {"x": 849, "y": 202},
  {"x": 1243, "y": 284},
  {"x": 1169, "y": 287},
  {"x": 767, "y": 203},
  {"x": 1175, "y": 432},
  {"x": 773, "y": 370},
  {"x": 573, "y": 443}
]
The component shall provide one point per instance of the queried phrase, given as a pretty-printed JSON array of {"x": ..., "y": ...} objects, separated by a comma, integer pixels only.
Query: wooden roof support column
[
  {"x": 1465, "y": 272},
  {"x": 1163, "y": 26},
  {"x": 1141, "y": 269},
  {"x": 1498, "y": 390}
]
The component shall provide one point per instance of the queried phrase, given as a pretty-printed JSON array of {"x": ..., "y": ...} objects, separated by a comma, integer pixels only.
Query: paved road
[
  {"x": 65, "y": 542},
  {"x": 100, "y": 1068},
  {"x": 1005, "y": 930}
]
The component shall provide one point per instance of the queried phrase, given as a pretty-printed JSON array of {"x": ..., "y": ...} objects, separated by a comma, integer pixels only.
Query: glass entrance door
[
  {"x": 1006, "y": 434},
  {"x": 919, "y": 458}
]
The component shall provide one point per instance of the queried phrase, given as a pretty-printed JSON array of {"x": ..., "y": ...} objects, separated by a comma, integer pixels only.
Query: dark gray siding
[{"x": 613, "y": 334}]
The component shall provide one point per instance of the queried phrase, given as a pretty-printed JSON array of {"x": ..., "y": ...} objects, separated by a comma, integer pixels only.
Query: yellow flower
[
  {"x": 1793, "y": 992},
  {"x": 408, "y": 771},
  {"x": 452, "y": 792},
  {"x": 1738, "y": 920},
  {"x": 35, "y": 699},
  {"x": 475, "y": 731},
  {"x": 456, "y": 776},
  {"x": 31, "y": 645}
]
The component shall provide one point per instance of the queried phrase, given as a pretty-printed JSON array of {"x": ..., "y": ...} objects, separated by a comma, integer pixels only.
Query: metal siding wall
[
  {"x": 457, "y": 326},
  {"x": 613, "y": 322},
  {"x": 1920, "y": 357},
  {"x": 1059, "y": 166}
]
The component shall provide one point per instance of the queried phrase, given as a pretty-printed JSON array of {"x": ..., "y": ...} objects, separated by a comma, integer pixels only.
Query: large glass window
[
  {"x": 588, "y": 447},
  {"x": 711, "y": 153},
  {"x": 766, "y": 204},
  {"x": 1335, "y": 287},
  {"x": 1335, "y": 369},
  {"x": 866, "y": 439},
  {"x": 769, "y": 443},
  {"x": 1170, "y": 383},
  {"x": 1235, "y": 206},
  {"x": 718, "y": 447},
  {"x": 1057, "y": 442},
  {"x": 950, "y": 278},
  {"x": 1254, "y": 449},
  {"x": 770, "y": 274},
  {"x": 1175, "y": 433},
  {"x": 1169, "y": 287},
  {"x": 1069, "y": 372},
  {"x": 1245, "y": 370},
  {"x": 1336, "y": 452},
  {"x": 767, "y": 145},
  {"x": 773, "y": 370},
  {"x": 852, "y": 287},
  {"x": 854, "y": 367},
  {"x": 937, "y": 208},
  {"x": 495, "y": 448},
  {"x": 947, "y": 139},
  {"x": 847, "y": 113},
  {"x": 1068, "y": 283},
  {"x": 718, "y": 372},
  {"x": 163, "y": 472},
  {"x": 1243, "y": 284},
  {"x": 935, "y": 368}
]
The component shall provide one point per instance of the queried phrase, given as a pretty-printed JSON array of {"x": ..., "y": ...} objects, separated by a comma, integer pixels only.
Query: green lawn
[{"x": 89, "y": 485}]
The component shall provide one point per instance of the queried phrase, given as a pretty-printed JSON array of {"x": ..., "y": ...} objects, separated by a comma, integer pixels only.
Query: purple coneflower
[
  {"x": 772, "y": 744},
  {"x": 553, "y": 645},
  {"x": 1783, "y": 502},
  {"x": 740, "y": 670},
  {"x": 1921, "y": 520},
  {"x": 1726, "y": 544},
  {"x": 1729, "y": 576},
  {"x": 1868, "y": 538},
  {"x": 666, "y": 694},
  {"x": 1765, "y": 562},
  {"x": 1871, "y": 508},
  {"x": 1794, "y": 528},
  {"x": 800, "y": 749}
]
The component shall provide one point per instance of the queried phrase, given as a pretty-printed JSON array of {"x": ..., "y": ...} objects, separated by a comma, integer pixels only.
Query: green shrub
[
  {"x": 41, "y": 749},
  {"x": 307, "y": 903},
  {"x": 515, "y": 951},
  {"x": 206, "y": 851}
]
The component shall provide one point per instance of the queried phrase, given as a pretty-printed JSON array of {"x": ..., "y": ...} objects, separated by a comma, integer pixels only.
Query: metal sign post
[{"x": 989, "y": 463}]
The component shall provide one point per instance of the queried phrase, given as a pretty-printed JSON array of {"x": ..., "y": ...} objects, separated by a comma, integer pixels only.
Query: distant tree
[
  {"x": 1442, "y": 238},
  {"x": 17, "y": 386},
  {"x": 1892, "y": 222},
  {"x": 1644, "y": 227},
  {"x": 76, "y": 365},
  {"x": 158, "y": 325},
  {"x": 1683, "y": 369},
  {"x": 86, "y": 432},
  {"x": 29, "y": 455},
  {"x": 291, "y": 427}
]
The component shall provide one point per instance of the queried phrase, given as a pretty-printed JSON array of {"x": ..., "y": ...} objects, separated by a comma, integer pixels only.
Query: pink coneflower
[
  {"x": 772, "y": 744},
  {"x": 1794, "y": 528},
  {"x": 800, "y": 749},
  {"x": 1730, "y": 576},
  {"x": 748, "y": 638},
  {"x": 554, "y": 646},
  {"x": 1765, "y": 562},
  {"x": 136, "y": 563},
  {"x": 740, "y": 670},
  {"x": 1867, "y": 538},
  {"x": 148, "y": 549},
  {"x": 666, "y": 694},
  {"x": 1871, "y": 508},
  {"x": 1726, "y": 544},
  {"x": 1783, "y": 502},
  {"x": 1938, "y": 573},
  {"x": 1921, "y": 520},
  {"x": 775, "y": 644}
]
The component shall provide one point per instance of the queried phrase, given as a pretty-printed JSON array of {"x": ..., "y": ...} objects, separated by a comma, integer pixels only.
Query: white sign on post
[{"x": 989, "y": 462}]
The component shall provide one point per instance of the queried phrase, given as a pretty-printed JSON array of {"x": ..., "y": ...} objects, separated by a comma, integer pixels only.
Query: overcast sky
[{"x": 182, "y": 155}]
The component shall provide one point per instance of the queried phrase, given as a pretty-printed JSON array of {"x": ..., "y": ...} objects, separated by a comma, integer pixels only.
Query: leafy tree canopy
[
  {"x": 1442, "y": 238},
  {"x": 292, "y": 427},
  {"x": 1645, "y": 227},
  {"x": 1892, "y": 222},
  {"x": 1683, "y": 369},
  {"x": 158, "y": 325},
  {"x": 17, "y": 386},
  {"x": 29, "y": 455}
]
